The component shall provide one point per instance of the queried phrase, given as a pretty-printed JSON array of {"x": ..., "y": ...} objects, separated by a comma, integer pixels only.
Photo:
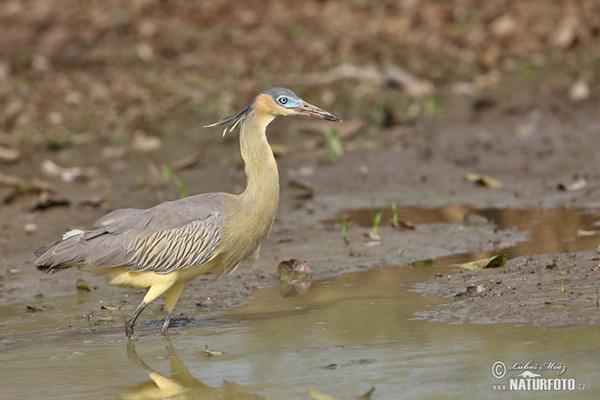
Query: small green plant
[
  {"x": 378, "y": 113},
  {"x": 527, "y": 69},
  {"x": 169, "y": 176},
  {"x": 335, "y": 148},
  {"x": 395, "y": 218},
  {"x": 432, "y": 106},
  {"x": 348, "y": 278},
  {"x": 355, "y": 106},
  {"x": 562, "y": 287},
  {"x": 107, "y": 197},
  {"x": 414, "y": 109},
  {"x": 61, "y": 141},
  {"x": 366, "y": 143},
  {"x": 376, "y": 222},
  {"x": 119, "y": 138},
  {"x": 344, "y": 222}
]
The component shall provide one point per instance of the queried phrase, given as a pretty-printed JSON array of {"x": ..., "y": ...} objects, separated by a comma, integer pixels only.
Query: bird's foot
[
  {"x": 128, "y": 329},
  {"x": 165, "y": 328}
]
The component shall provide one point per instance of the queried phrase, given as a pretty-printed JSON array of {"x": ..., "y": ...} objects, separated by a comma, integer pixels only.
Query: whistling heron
[{"x": 164, "y": 247}]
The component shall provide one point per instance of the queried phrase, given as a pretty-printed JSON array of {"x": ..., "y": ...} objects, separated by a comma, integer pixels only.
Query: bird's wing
[
  {"x": 168, "y": 250},
  {"x": 170, "y": 236}
]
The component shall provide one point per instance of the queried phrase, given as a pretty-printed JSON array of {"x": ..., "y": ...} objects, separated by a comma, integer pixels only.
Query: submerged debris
[
  {"x": 31, "y": 308},
  {"x": 294, "y": 276},
  {"x": 209, "y": 353},
  {"x": 293, "y": 271},
  {"x": 83, "y": 285}
]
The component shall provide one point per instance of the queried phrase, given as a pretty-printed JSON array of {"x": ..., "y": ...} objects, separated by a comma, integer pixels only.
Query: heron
[{"x": 162, "y": 248}]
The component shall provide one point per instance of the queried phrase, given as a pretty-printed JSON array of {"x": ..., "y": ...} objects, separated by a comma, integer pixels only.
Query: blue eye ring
[{"x": 283, "y": 100}]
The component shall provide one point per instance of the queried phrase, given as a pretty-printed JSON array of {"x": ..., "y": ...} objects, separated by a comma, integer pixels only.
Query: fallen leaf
[
  {"x": 45, "y": 202},
  {"x": 9, "y": 156},
  {"x": 373, "y": 236},
  {"x": 83, "y": 285},
  {"x": 209, "y": 353},
  {"x": 428, "y": 262},
  {"x": 71, "y": 174},
  {"x": 30, "y": 228},
  {"x": 483, "y": 180},
  {"x": 492, "y": 262},
  {"x": 145, "y": 143},
  {"x": 580, "y": 90},
  {"x": 21, "y": 188},
  {"x": 583, "y": 232},
  {"x": 577, "y": 185}
]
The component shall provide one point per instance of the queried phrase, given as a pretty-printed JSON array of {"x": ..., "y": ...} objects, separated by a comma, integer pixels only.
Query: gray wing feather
[
  {"x": 173, "y": 235},
  {"x": 169, "y": 250}
]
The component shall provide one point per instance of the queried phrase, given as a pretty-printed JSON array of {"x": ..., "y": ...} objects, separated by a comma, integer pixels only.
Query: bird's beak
[{"x": 308, "y": 109}]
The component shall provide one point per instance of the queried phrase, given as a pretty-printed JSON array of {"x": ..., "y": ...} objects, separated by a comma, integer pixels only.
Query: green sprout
[
  {"x": 170, "y": 176},
  {"x": 376, "y": 222},
  {"x": 395, "y": 218},
  {"x": 345, "y": 229},
  {"x": 433, "y": 106},
  {"x": 378, "y": 113},
  {"x": 335, "y": 148}
]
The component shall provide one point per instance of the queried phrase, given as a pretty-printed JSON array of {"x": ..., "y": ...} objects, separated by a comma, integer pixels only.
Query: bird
[{"x": 162, "y": 248}]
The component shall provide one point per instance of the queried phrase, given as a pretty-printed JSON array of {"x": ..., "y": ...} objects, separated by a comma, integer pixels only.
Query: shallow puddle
[
  {"x": 551, "y": 230},
  {"x": 342, "y": 336}
]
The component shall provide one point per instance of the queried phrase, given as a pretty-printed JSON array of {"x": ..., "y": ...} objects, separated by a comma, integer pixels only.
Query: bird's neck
[{"x": 262, "y": 190}]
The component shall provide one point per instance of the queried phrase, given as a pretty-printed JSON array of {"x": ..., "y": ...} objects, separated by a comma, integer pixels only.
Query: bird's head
[
  {"x": 273, "y": 102},
  {"x": 281, "y": 101}
]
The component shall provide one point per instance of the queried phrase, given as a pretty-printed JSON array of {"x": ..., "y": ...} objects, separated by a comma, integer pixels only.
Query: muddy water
[
  {"x": 550, "y": 230},
  {"x": 342, "y": 336}
]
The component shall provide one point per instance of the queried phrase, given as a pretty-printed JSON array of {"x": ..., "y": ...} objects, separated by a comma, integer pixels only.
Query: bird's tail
[{"x": 62, "y": 254}]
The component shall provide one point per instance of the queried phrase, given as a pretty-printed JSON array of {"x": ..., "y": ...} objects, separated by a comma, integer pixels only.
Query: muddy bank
[{"x": 549, "y": 291}]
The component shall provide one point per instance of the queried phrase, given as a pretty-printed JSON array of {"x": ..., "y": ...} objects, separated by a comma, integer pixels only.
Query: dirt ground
[{"x": 102, "y": 106}]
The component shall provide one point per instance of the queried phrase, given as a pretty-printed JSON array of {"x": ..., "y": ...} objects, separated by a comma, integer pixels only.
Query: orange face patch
[{"x": 264, "y": 104}]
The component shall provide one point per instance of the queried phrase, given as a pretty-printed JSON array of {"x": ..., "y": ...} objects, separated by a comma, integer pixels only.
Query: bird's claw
[{"x": 128, "y": 329}]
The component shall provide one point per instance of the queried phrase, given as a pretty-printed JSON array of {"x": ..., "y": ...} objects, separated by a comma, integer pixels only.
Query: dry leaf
[{"x": 483, "y": 180}]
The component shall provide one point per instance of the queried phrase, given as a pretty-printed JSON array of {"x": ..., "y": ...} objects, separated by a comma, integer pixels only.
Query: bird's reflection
[{"x": 180, "y": 385}]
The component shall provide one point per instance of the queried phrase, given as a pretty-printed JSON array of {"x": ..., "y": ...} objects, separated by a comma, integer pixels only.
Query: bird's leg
[
  {"x": 150, "y": 296},
  {"x": 131, "y": 320},
  {"x": 171, "y": 298}
]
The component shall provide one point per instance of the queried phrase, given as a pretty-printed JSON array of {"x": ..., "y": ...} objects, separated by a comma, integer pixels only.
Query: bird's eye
[{"x": 282, "y": 100}]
